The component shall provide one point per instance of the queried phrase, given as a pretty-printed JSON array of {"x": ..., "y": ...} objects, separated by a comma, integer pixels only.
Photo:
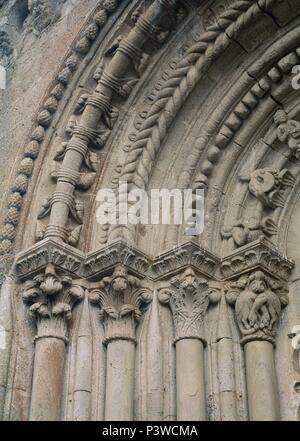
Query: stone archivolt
[{"x": 239, "y": 258}]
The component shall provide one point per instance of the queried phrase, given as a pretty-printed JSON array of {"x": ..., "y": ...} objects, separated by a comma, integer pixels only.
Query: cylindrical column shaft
[
  {"x": 47, "y": 379},
  {"x": 190, "y": 382},
  {"x": 261, "y": 381},
  {"x": 83, "y": 374},
  {"x": 6, "y": 325},
  {"x": 119, "y": 380}
]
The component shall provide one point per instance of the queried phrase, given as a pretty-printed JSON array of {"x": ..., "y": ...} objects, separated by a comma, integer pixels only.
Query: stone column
[
  {"x": 120, "y": 380},
  {"x": 189, "y": 297},
  {"x": 6, "y": 327},
  {"x": 226, "y": 367},
  {"x": 258, "y": 299},
  {"x": 47, "y": 379},
  {"x": 120, "y": 298},
  {"x": 261, "y": 381},
  {"x": 86, "y": 133},
  {"x": 190, "y": 380},
  {"x": 51, "y": 298}
]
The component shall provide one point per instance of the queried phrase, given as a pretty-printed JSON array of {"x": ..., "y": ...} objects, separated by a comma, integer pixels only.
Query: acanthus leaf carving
[
  {"x": 121, "y": 298},
  {"x": 51, "y": 298},
  {"x": 189, "y": 297}
]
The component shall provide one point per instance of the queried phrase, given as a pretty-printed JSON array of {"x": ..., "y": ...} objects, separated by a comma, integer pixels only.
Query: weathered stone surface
[{"x": 167, "y": 94}]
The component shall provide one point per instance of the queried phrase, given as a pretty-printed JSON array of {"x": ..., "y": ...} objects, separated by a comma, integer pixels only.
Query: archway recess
[{"x": 175, "y": 95}]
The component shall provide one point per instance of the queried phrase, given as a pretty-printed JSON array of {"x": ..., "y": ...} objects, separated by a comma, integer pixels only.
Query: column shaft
[
  {"x": 47, "y": 379},
  {"x": 119, "y": 380},
  {"x": 261, "y": 381},
  {"x": 190, "y": 382}
]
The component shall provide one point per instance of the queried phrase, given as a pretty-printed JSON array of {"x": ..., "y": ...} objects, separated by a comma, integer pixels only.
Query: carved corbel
[
  {"x": 51, "y": 299},
  {"x": 121, "y": 298},
  {"x": 189, "y": 297},
  {"x": 258, "y": 300}
]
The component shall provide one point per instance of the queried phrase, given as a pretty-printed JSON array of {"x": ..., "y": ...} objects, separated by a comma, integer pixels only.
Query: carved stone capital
[
  {"x": 51, "y": 299},
  {"x": 121, "y": 298},
  {"x": 258, "y": 300},
  {"x": 189, "y": 297}
]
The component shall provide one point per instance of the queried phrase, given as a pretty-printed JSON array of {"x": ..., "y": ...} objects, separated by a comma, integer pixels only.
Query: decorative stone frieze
[
  {"x": 121, "y": 298},
  {"x": 261, "y": 254},
  {"x": 46, "y": 252},
  {"x": 188, "y": 254}
]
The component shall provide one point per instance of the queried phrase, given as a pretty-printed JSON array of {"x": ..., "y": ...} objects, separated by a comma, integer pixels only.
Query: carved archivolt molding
[
  {"x": 182, "y": 78},
  {"x": 44, "y": 118},
  {"x": 120, "y": 279},
  {"x": 97, "y": 117},
  {"x": 186, "y": 75},
  {"x": 209, "y": 44}
]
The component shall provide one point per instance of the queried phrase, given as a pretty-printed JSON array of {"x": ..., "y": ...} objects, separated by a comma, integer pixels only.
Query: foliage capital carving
[
  {"x": 189, "y": 297},
  {"x": 121, "y": 298},
  {"x": 51, "y": 299}
]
